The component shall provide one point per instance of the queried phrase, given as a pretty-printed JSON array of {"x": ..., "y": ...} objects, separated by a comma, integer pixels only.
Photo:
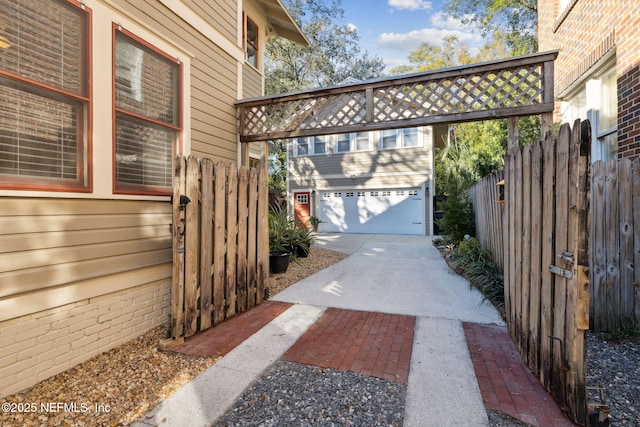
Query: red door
[{"x": 302, "y": 207}]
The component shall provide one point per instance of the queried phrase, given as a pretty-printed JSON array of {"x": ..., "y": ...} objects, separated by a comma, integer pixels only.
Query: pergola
[{"x": 508, "y": 88}]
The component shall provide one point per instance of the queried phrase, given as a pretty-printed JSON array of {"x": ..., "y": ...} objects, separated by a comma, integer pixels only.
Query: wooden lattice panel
[{"x": 514, "y": 87}]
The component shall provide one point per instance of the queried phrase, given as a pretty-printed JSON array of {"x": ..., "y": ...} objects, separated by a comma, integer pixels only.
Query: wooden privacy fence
[
  {"x": 615, "y": 244},
  {"x": 614, "y": 239},
  {"x": 545, "y": 261},
  {"x": 488, "y": 215},
  {"x": 220, "y": 244}
]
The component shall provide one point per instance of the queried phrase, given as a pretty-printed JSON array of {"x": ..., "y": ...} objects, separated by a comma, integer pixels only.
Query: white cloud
[
  {"x": 408, "y": 42},
  {"x": 352, "y": 27},
  {"x": 410, "y": 4},
  {"x": 442, "y": 20}
]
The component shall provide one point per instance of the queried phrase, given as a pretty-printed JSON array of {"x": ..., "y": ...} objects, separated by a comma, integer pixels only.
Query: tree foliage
[
  {"x": 333, "y": 56},
  {"x": 518, "y": 19}
]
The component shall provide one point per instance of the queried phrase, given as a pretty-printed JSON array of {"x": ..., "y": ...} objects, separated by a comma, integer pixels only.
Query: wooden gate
[
  {"x": 546, "y": 261},
  {"x": 220, "y": 242}
]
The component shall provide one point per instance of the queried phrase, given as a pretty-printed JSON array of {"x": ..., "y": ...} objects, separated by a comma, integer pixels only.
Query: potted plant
[
  {"x": 302, "y": 239},
  {"x": 314, "y": 221},
  {"x": 280, "y": 228}
]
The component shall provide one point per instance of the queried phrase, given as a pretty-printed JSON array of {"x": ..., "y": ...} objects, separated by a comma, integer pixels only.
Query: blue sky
[{"x": 391, "y": 29}]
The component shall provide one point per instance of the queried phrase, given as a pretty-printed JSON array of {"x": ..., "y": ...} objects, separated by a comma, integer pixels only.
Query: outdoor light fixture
[{"x": 184, "y": 201}]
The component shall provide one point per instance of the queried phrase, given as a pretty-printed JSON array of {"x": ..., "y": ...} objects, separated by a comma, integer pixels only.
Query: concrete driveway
[
  {"x": 407, "y": 275},
  {"x": 388, "y": 274}
]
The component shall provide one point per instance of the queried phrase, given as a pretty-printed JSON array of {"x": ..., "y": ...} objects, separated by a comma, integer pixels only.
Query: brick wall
[
  {"x": 40, "y": 345},
  {"x": 584, "y": 32}
]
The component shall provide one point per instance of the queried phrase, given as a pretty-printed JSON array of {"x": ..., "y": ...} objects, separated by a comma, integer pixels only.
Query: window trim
[
  {"x": 84, "y": 163},
  {"x": 178, "y": 143}
]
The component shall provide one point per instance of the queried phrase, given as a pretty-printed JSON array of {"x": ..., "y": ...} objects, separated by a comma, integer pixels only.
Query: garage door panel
[{"x": 397, "y": 211}]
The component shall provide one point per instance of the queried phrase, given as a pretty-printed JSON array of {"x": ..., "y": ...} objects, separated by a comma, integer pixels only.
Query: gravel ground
[
  {"x": 295, "y": 394},
  {"x": 127, "y": 381},
  {"x": 616, "y": 367}
]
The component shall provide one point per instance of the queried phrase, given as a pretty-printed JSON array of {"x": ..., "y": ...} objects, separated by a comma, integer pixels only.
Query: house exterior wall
[
  {"x": 375, "y": 169},
  {"x": 585, "y": 32},
  {"x": 82, "y": 272}
]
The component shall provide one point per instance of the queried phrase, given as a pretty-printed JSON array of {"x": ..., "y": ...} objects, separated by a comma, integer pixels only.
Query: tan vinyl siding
[
  {"x": 219, "y": 13},
  {"x": 213, "y": 72},
  {"x": 251, "y": 82},
  {"x": 51, "y": 243}
]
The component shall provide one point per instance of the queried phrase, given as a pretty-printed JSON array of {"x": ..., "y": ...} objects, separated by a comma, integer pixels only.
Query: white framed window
[
  {"x": 400, "y": 138},
  {"x": 302, "y": 199},
  {"x": 311, "y": 145},
  {"x": 596, "y": 99},
  {"x": 362, "y": 141}
]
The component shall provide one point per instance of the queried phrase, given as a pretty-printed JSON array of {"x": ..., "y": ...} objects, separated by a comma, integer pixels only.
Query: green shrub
[
  {"x": 458, "y": 219},
  {"x": 474, "y": 262}
]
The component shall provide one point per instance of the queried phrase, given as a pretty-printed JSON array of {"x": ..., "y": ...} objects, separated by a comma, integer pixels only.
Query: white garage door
[{"x": 397, "y": 211}]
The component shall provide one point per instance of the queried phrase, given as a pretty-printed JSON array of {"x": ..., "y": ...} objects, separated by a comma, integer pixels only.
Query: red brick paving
[
  {"x": 506, "y": 383},
  {"x": 224, "y": 337},
  {"x": 379, "y": 345},
  {"x": 373, "y": 344}
]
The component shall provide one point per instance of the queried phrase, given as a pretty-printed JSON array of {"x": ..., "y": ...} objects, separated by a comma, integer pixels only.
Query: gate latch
[
  {"x": 566, "y": 257},
  {"x": 561, "y": 271}
]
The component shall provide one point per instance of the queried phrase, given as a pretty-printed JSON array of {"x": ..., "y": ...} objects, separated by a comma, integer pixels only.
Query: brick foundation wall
[
  {"x": 40, "y": 345},
  {"x": 584, "y": 33}
]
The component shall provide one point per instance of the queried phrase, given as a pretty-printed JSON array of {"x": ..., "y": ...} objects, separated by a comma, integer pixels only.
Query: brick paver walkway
[
  {"x": 224, "y": 337},
  {"x": 373, "y": 344},
  {"x": 380, "y": 345},
  {"x": 506, "y": 383}
]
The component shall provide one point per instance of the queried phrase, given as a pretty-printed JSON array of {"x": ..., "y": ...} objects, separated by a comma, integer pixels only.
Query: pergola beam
[{"x": 511, "y": 87}]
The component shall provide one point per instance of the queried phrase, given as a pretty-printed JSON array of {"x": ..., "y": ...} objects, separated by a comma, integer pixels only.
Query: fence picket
[
  {"x": 636, "y": 236},
  {"x": 252, "y": 250},
  {"x": 243, "y": 215},
  {"x": 536, "y": 258},
  {"x": 206, "y": 243},
  {"x": 231, "y": 240},
  {"x": 548, "y": 250},
  {"x": 597, "y": 242},
  {"x": 625, "y": 227},
  {"x": 192, "y": 264}
]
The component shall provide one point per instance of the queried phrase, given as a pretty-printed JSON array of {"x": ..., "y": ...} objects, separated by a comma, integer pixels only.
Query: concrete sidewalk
[{"x": 398, "y": 275}]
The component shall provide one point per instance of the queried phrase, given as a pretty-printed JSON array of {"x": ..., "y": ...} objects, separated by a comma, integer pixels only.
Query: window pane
[
  {"x": 146, "y": 83},
  {"x": 389, "y": 139},
  {"x": 38, "y": 136},
  {"x": 143, "y": 152},
  {"x": 303, "y": 146},
  {"x": 319, "y": 145},
  {"x": 343, "y": 144},
  {"x": 252, "y": 43},
  {"x": 362, "y": 141},
  {"x": 608, "y": 117},
  {"x": 46, "y": 43},
  {"x": 410, "y": 138}
]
